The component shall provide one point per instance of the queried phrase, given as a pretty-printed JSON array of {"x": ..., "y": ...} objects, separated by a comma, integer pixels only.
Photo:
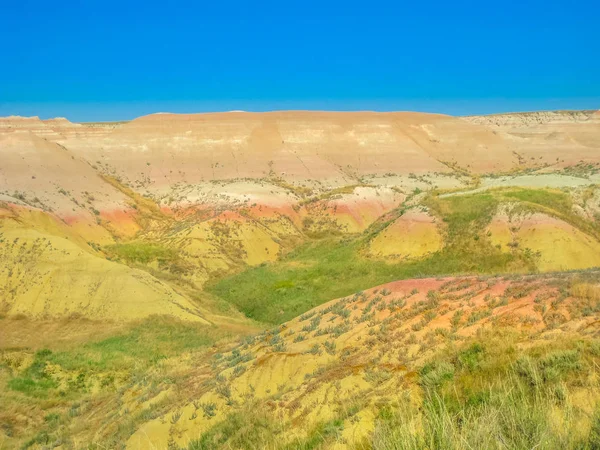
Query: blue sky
[{"x": 109, "y": 60}]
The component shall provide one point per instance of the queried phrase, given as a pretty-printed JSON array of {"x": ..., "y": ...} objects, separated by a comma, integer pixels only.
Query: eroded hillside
[
  {"x": 351, "y": 373},
  {"x": 134, "y": 255},
  {"x": 190, "y": 198}
]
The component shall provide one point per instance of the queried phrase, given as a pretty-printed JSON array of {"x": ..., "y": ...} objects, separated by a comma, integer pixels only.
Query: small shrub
[
  {"x": 209, "y": 410},
  {"x": 329, "y": 347},
  {"x": 435, "y": 374}
]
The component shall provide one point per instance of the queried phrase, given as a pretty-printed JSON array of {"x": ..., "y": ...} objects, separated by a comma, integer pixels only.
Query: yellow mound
[
  {"x": 562, "y": 246},
  {"x": 500, "y": 232},
  {"x": 557, "y": 244},
  {"x": 412, "y": 235},
  {"x": 80, "y": 232},
  {"x": 44, "y": 275},
  {"x": 225, "y": 241}
]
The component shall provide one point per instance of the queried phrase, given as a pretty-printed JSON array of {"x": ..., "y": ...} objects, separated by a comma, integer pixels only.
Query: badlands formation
[{"x": 160, "y": 278}]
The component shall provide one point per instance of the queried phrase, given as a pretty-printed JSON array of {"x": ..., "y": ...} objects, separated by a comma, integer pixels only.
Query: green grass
[
  {"x": 472, "y": 396},
  {"x": 322, "y": 270},
  {"x": 553, "y": 199},
  {"x": 141, "y": 252},
  {"x": 144, "y": 344},
  {"x": 34, "y": 381},
  {"x": 171, "y": 265},
  {"x": 33, "y": 387},
  {"x": 463, "y": 213},
  {"x": 137, "y": 349}
]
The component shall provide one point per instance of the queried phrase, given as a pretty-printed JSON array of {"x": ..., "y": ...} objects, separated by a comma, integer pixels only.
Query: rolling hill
[{"x": 362, "y": 279}]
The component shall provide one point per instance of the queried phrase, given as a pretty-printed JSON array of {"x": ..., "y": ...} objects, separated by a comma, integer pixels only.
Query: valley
[{"x": 302, "y": 280}]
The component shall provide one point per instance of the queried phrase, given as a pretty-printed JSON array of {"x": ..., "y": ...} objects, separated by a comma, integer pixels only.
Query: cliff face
[
  {"x": 537, "y": 118},
  {"x": 567, "y": 135},
  {"x": 319, "y": 146}
]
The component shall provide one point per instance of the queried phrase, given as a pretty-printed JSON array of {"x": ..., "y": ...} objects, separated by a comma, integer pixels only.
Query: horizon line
[{"x": 332, "y": 111}]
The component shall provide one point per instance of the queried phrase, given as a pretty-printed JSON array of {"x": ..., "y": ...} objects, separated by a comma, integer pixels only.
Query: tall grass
[
  {"x": 243, "y": 430},
  {"x": 543, "y": 399},
  {"x": 511, "y": 417},
  {"x": 587, "y": 291},
  {"x": 253, "y": 428}
]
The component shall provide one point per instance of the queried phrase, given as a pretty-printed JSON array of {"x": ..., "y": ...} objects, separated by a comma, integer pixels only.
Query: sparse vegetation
[
  {"x": 472, "y": 361},
  {"x": 494, "y": 397},
  {"x": 142, "y": 252}
]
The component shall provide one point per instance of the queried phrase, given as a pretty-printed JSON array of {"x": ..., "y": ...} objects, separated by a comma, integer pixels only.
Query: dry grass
[{"x": 586, "y": 291}]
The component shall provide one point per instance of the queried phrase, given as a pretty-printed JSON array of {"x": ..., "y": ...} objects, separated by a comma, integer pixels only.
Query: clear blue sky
[{"x": 109, "y": 60}]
